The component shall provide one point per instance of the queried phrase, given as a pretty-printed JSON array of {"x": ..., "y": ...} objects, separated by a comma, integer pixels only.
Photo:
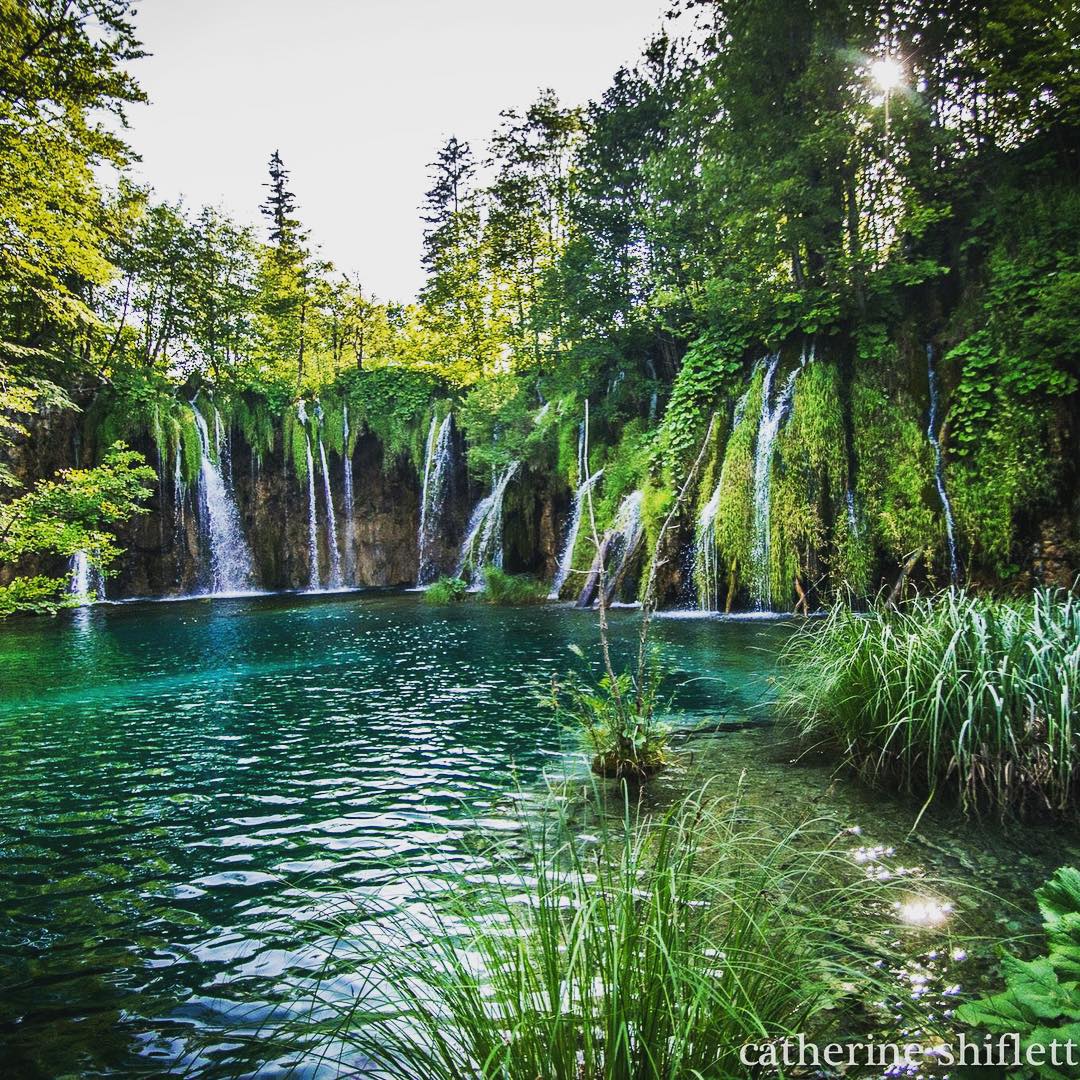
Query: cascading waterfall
[
  {"x": 437, "y": 462},
  {"x": 706, "y": 570},
  {"x": 627, "y": 532},
  {"x": 350, "y": 501},
  {"x": 566, "y": 560},
  {"x": 773, "y": 414},
  {"x": 939, "y": 466},
  {"x": 219, "y": 520},
  {"x": 706, "y": 555},
  {"x": 483, "y": 540},
  {"x": 313, "y": 523},
  {"x": 87, "y": 583},
  {"x": 331, "y": 519}
]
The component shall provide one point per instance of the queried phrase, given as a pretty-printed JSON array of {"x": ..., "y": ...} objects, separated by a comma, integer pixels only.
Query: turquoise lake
[{"x": 185, "y": 786}]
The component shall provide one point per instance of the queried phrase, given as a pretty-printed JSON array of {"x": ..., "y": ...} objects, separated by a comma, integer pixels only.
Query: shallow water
[{"x": 186, "y": 785}]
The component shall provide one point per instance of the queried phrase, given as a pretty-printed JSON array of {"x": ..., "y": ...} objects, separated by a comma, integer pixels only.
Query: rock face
[{"x": 166, "y": 549}]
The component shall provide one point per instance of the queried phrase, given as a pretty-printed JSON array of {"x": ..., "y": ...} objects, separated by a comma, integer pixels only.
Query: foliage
[
  {"x": 1016, "y": 364},
  {"x": 616, "y": 717},
  {"x": 508, "y": 589},
  {"x": 447, "y": 590},
  {"x": 1041, "y": 1001},
  {"x": 656, "y": 955},
  {"x": 36, "y": 595},
  {"x": 894, "y": 467},
  {"x": 75, "y": 512},
  {"x": 949, "y": 692}
]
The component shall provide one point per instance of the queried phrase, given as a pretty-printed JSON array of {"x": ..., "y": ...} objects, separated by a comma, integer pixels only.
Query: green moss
[
  {"x": 735, "y": 510},
  {"x": 809, "y": 483},
  {"x": 894, "y": 479},
  {"x": 189, "y": 446}
]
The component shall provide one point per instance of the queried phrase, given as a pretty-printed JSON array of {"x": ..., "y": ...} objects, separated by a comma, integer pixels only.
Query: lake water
[{"x": 185, "y": 786}]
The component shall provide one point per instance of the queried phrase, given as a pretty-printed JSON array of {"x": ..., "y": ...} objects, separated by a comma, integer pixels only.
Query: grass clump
[
  {"x": 509, "y": 589},
  {"x": 616, "y": 716},
  {"x": 656, "y": 954},
  {"x": 952, "y": 691},
  {"x": 447, "y": 590}
]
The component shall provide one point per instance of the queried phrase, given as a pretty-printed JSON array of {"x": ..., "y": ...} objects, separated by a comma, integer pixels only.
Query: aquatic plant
[
  {"x": 658, "y": 953},
  {"x": 949, "y": 692},
  {"x": 1041, "y": 1000},
  {"x": 502, "y": 588},
  {"x": 447, "y": 590},
  {"x": 625, "y": 743}
]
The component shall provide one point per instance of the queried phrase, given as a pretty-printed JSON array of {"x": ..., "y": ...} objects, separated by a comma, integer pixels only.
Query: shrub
[
  {"x": 507, "y": 589},
  {"x": 1041, "y": 1000},
  {"x": 949, "y": 691},
  {"x": 447, "y": 590},
  {"x": 656, "y": 955}
]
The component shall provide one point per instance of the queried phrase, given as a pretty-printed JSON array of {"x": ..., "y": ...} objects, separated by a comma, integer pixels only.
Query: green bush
[
  {"x": 508, "y": 589},
  {"x": 1041, "y": 1000},
  {"x": 951, "y": 691},
  {"x": 657, "y": 954},
  {"x": 447, "y": 590}
]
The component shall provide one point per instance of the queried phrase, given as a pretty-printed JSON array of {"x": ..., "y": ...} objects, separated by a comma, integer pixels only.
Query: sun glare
[{"x": 888, "y": 74}]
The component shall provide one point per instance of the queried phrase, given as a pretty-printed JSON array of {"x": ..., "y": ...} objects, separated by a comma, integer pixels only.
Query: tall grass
[
  {"x": 656, "y": 954},
  {"x": 950, "y": 693},
  {"x": 509, "y": 589}
]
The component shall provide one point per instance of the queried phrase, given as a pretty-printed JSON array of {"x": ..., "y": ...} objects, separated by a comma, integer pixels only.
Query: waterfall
[
  {"x": 483, "y": 540},
  {"x": 350, "y": 502},
  {"x": 773, "y": 414},
  {"x": 313, "y": 524},
  {"x": 566, "y": 560},
  {"x": 437, "y": 461},
  {"x": 178, "y": 487},
  {"x": 87, "y": 583},
  {"x": 853, "y": 519},
  {"x": 939, "y": 466},
  {"x": 629, "y": 531},
  {"x": 219, "y": 519},
  {"x": 706, "y": 556},
  {"x": 706, "y": 569},
  {"x": 331, "y": 523}
]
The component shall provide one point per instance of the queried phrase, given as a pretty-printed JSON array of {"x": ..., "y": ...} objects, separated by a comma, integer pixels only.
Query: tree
[
  {"x": 287, "y": 272},
  {"x": 74, "y": 513}
]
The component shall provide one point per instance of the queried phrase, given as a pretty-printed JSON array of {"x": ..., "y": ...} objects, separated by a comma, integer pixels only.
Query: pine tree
[{"x": 280, "y": 206}]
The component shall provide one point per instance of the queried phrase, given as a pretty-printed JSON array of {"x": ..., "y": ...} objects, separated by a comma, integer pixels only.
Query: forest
[{"x": 731, "y": 440}]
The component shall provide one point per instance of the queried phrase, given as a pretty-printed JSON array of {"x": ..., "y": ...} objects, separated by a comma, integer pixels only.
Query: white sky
[{"x": 357, "y": 95}]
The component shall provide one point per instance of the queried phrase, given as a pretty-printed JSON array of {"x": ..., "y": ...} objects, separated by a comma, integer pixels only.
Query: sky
[{"x": 357, "y": 95}]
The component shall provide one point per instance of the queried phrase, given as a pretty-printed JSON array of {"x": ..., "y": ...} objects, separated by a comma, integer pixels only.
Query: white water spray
[
  {"x": 313, "y": 523},
  {"x": 566, "y": 560},
  {"x": 87, "y": 583},
  {"x": 331, "y": 520},
  {"x": 939, "y": 466},
  {"x": 483, "y": 541},
  {"x": 230, "y": 559},
  {"x": 437, "y": 463},
  {"x": 350, "y": 501},
  {"x": 773, "y": 414}
]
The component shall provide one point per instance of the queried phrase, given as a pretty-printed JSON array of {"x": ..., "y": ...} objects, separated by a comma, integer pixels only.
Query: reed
[
  {"x": 656, "y": 953},
  {"x": 510, "y": 589},
  {"x": 950, "y": 693}
]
